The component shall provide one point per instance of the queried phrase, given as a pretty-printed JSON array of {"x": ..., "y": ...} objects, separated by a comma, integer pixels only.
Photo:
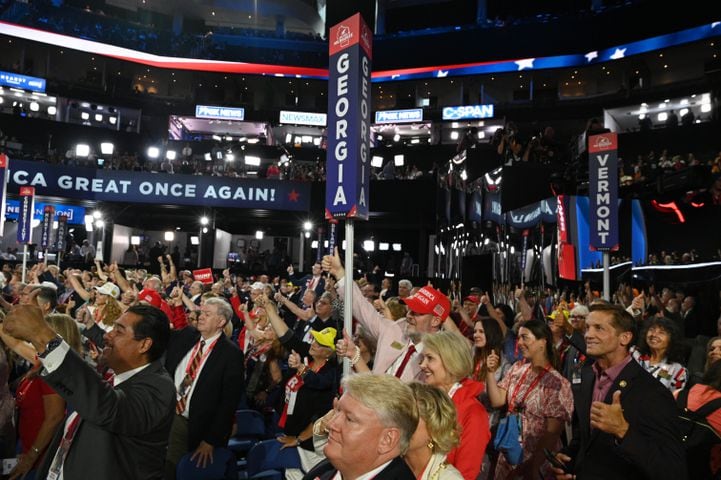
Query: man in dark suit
[
  {"x": 626, "y": 419},
  {"x": 315, "y": 281},
  {"x": 370, "y": 431},
  {"x": 117, "y": 431},
  {"x": 207, "y": 369}
]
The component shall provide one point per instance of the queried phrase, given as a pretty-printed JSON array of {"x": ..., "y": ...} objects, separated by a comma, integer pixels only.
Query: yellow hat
[{"x": 326, "y": 337}]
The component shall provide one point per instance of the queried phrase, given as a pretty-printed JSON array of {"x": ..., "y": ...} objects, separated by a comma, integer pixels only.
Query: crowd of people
[
  {"x": 144, "y": 369},
  {"x": 112, "y": 29}
]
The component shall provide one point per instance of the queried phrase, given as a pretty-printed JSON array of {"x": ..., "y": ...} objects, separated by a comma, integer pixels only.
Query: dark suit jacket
[
  {"x": 396, "y": 470},
  {"x": 124, "y": 430},
  {"x": 217, "y": 390},
  {"x": 303, "y": 283},
  {"x": 652, "y": 447}
]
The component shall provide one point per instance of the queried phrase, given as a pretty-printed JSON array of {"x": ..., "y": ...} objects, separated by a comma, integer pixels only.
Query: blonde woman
[
  {"x": 447, "y": 363},
  {"x": 436, "y": 435}
]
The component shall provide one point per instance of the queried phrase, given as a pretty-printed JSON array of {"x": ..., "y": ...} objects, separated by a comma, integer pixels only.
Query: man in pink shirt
[{"x": 626, "y": 419}]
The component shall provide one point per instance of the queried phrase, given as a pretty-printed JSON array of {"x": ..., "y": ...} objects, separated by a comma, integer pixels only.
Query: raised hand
[
  {"x": 333, "y": 265},
  {"x": 345, "y": 347},
  {"x": 609, "y": 418},
  {"x": 493, "y": 361}
]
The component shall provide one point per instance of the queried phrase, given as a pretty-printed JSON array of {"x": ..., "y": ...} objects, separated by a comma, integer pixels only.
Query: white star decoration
[
  {"x": 442, "y": 73},
  {"x": 525, "y": 63},
  {"x": 619, "y": 53},
  {"x": 715, "y": 24},
  {"x": 591, "y": 55}
]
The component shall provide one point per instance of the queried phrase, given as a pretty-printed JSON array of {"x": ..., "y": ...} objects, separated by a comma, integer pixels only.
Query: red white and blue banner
[
  {"x": 575, "y": 59},
  {"x": 25, "y": 218},
  {"x": 47, "y": 226},
  {"x": 159, "y": 188},
  {"x": 603, "y": 191},
  {"x": 349, "y": 110},
  {"x": 4, "y": 166}
]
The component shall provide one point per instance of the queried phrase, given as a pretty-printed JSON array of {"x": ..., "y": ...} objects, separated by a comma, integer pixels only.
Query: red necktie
[
  {"x": 406, "y": 359},
  {"x": 189, "y": 378}
]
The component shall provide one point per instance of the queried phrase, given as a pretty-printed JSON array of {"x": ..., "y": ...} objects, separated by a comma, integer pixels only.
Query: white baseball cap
[{"x": 109, "y": 288}]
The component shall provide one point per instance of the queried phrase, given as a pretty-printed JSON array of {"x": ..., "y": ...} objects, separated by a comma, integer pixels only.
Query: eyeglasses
[{"x": 578, "y": 317}]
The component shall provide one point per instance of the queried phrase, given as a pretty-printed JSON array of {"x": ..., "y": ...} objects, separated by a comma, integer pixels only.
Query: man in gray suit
[{"x": 119, "y": 428}]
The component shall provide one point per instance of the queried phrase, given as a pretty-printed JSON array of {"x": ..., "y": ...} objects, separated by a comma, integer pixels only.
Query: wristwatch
[{"x": 52, "y": 345}]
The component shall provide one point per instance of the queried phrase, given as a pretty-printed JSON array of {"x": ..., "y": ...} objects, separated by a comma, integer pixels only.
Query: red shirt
[{"x": 29, "y": 401}]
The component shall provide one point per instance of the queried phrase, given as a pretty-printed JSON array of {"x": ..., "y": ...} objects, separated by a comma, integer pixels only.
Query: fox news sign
[
  {"x": 400, "y": 116},
  {"x": 221, "y": 113}
]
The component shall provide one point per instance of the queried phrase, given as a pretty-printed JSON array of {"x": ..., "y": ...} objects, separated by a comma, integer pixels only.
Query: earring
[{"x": 430, "y": 444}]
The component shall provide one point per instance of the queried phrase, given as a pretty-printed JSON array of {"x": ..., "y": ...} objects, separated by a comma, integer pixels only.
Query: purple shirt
[{"x": 605, "y": 378}]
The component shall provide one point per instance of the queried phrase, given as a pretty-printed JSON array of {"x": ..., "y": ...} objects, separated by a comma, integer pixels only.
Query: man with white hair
[
  {"x": 404, "y": 288},
  {"x": 208, "y": 374},
  {"x": 370, "y": 431}
]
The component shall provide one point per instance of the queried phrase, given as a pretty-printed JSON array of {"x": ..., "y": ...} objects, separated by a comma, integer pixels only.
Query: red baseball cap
[
  {"x": 150, "y": 297},
  {"x": 429, "y": 300},
  {"x": 473, "y": 299}
]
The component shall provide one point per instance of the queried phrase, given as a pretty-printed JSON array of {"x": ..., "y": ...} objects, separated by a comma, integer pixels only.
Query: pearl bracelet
[{"x": 356, "y": 357}]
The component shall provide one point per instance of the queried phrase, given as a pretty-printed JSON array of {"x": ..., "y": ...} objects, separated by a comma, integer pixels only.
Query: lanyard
[{"x": 511, "y": 403}]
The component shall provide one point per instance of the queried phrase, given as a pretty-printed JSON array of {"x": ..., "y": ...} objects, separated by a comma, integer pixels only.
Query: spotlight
[
  {"x": 253, "y": 161},
  {"x": 259, "y": 234},
  {"x": 171, "y": 155},
  {"x": 398, "y": 160},
  {"x": 153, "y": 152},
  {"x": 376, "y": 161},
  {"x": 82, "y": 150},
  {"x": 107, "y": 148}
]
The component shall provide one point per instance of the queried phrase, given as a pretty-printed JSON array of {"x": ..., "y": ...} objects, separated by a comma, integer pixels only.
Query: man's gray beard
[{"x": 415, "y": 337}]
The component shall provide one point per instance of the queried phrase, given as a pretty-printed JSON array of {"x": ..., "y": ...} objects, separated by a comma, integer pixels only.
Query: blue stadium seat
[
  {"x": 250, "y": 430},
  {"x": 266, "y": 460},
  {"x": 222, "y": 468}
]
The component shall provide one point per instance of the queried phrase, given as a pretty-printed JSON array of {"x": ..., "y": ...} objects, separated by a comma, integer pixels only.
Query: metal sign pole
[
  {"x": 607, "y": 276},
  {"x": 25, "y": 261},
  {"x": 348, "y": 292}
]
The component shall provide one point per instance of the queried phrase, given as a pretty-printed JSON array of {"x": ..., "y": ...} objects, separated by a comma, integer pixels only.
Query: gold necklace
[{"x": 437, "y": 473}]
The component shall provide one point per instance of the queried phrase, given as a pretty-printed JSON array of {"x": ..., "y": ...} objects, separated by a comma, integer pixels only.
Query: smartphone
[{"x": 551, "y": 457}]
